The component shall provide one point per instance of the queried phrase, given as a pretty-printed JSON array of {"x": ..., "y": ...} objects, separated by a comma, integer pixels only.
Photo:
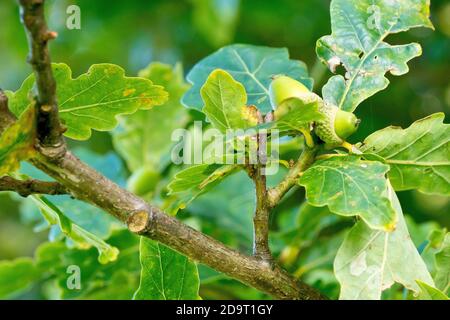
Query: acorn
[
  {"x": 336, "y": 127},
  {"x": 143, "y": 181},
  {"x": 283, "y": 88}
]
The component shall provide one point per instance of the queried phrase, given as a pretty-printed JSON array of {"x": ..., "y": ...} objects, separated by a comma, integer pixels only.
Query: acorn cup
[{"x": 337, "y": 124}]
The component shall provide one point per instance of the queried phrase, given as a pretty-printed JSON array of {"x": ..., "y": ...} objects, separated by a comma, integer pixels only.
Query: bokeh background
[{"x": 134, "y": 33}]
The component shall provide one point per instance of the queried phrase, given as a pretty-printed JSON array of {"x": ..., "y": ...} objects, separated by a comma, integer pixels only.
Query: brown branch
[
  {"x": 48, "y": 125},
  {"x": 261, "y": 217},
  {"x": 6, "y": 117},
  {"x": 275, "y": 194},
  {"x": 88, "y": 185},
  {"x": 32, "y": 186}
]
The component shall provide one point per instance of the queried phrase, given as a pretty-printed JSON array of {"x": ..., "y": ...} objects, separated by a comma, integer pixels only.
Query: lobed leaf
[
  {"x": 370, "y": 261},
  {"x": 94, "y": 99},
  {"x": 253, "y": 66},
  {"x": 166, "y": 274},
  {"x": 359, "y": 30},
  {"x": 151, "y": 130},
  {"x": 351, "y": 187},
  {"x": 195, "y": 180},
  {"x": 82, "y": 238},
  {"x": 419, "y": 156}
]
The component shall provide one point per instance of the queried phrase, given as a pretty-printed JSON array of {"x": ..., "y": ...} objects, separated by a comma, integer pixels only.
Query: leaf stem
[{"x": 275, "y": 194}]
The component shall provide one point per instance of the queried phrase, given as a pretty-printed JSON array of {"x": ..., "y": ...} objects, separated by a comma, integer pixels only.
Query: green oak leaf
[
  {"x": 94, "y": 99},
  {"x": 98, "y": 281},
  {"x": 428, "y": 292},
  {"x": 82, "y": 238},
  {"x": 442, "y": 258},
  {"x": 17, "y": 142},
  {"x": 195, "y": 180},
  {"x": 351, "y": 187},
  {"x": 222, "y": 211},
  {"x": 225, "y": 102},
  {"x": 419, "y": 156},
  {"x": 359, "y": 29},
  {"x": 370, "y": 261},
  {"x": 310, "y": 221},
  {"x": 253, "y": 66},
  {"x": 297, "y": 114},
  {"x": 151, "y": 130},
  {"x": 87, "y": 216},
  {"x": 166, "y": 274},
  {"x": 16, "y": 276}
]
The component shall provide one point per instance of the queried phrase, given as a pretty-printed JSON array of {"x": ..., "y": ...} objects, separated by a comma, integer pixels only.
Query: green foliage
[
  {"x": 296, "y": 114},
  {"x": 216, "y": 20},
  {"x": 17, "y": 142},
  {"x": 428, "y": 292},
  {"x": 166, "y": 274},
  {"x": 81, "y": 237},
  {"x": 94, "y": 99},
  {"x": 225, "y": 102},
  {"x": 442, "y": 277},
  {"x": 225, "y": 211},
  {"x": 87, "y": 216},
  {"x": 359, "y": 30},
  {"x": 378, "y": 256},
  {"x": 195, "y": 180},
  {"x": 370, "y": 261},
  {"x": 97, "y": 280},
  {"x": 350, "y": 187},
  {"x": 252, "y": 66},
  {"x": 418, "y": 156},
  {"x": 151, "y": 130},
  {"x": 16, "y": 276}
]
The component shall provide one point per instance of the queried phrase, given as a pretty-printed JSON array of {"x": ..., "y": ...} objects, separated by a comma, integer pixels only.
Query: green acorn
[
  {"x": 283, "y": 88},
  {"x": 143, "y": 181},
  {"x": 336, "y": 127},
  {"x": 333, "y": 130}
]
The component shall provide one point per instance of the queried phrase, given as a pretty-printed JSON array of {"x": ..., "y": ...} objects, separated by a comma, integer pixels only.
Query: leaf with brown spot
[{"x": 17, "y": 142}]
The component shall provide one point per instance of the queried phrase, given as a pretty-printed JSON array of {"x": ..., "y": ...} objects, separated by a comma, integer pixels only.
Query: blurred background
[{"x": 134, "y": 33}]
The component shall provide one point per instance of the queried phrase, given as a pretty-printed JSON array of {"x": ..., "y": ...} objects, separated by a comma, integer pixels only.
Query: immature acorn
[
  {"x": 336, "y": 127},
  {"x": 283, "y": 87},
  {"x": 333, "y": 129},
  {"x": 143, "y": 181}
]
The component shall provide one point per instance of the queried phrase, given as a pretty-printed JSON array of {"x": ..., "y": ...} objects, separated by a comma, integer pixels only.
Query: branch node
[
  {"x": 50, "y": 35},
  {"x": 46, "y": 108},
  {"x": 139, "y": 222},
  {"x": 54, "y": 153}
]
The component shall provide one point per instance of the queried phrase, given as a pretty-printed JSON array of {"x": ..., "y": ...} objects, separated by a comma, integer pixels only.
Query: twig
[
  {"x": 49, "y": 128},
  {"x": 86, "y": 184},
  {"x": 90, "y": 186},
  {"x": 28, "y": 187},
  {"x": 276, "y": 193},
  {"x": 261, "y": 218}
]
